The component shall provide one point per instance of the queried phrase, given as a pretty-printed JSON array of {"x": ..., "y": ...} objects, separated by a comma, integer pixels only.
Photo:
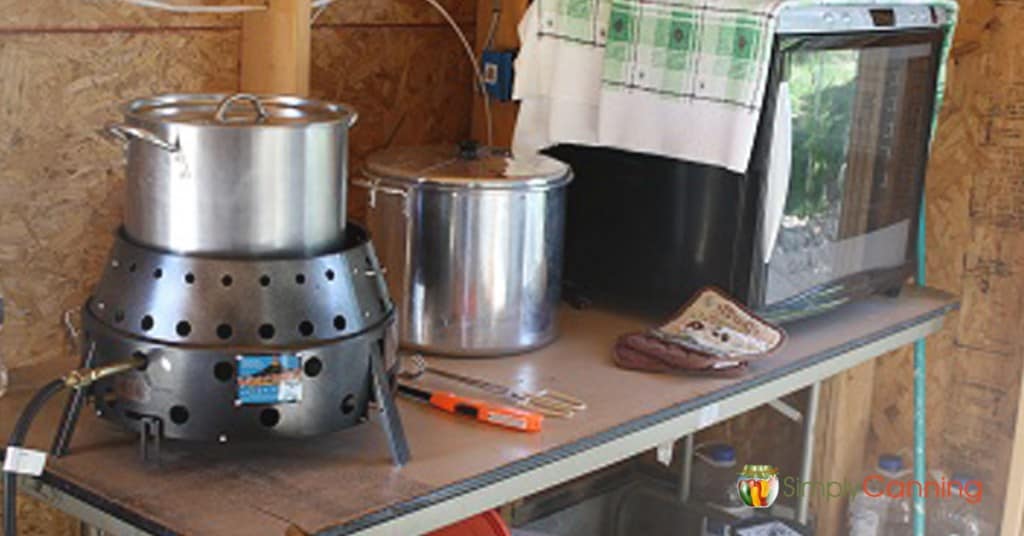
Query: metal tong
[{"x": 547, "y": 402}]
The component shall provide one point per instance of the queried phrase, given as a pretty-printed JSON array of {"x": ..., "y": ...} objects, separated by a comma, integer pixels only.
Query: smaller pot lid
[
  {"x": 237, "y": 110},
  {"x": 467, "y": 167}
]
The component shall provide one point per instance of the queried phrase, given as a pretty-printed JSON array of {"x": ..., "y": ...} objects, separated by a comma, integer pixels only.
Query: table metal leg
[
  {"x": 150, "y": 434},
  {"x": 810, "y": 418},
  {"x": 687, "y": 472}
]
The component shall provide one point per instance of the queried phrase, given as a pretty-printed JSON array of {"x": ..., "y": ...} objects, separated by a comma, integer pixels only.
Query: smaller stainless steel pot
[
  {"x": 473, "y": 246},
  {"x": 235, "y": 175}
]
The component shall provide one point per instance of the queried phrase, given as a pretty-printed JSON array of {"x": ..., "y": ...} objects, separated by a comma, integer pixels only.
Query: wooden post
[
  {"x": 505, "y": 38},
  {"x": 1013, "y": 509},
  {"x": 844, "y": 416},
  {"x": 275, "y": 48}
]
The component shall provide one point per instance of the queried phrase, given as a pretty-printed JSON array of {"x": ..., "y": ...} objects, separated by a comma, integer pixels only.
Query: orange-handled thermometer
[{"x": 496, "y": 414}]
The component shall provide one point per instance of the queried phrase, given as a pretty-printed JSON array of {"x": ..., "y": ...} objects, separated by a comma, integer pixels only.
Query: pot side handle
[
  {"x": 374, "y": 187},
  {"x": 126, "y": 133}
]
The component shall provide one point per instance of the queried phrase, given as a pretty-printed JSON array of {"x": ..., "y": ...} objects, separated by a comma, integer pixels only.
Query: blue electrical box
[{"x": 498, "y": 73}]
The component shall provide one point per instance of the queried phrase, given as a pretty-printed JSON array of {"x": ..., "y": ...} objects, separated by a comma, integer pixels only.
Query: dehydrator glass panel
[{"x": 860, "y": 119}]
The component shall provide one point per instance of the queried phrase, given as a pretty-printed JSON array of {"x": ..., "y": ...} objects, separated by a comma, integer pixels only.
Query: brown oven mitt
[
  {"x": 644, "y": 351},
  {"x": 712, "y": 335}
]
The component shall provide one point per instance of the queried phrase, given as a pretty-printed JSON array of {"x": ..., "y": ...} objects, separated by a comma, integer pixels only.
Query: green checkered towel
[{"x": 680, "y": 78}]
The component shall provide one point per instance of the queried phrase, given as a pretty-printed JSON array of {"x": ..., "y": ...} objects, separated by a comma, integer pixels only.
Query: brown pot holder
[{"x": 712, "y": 335}]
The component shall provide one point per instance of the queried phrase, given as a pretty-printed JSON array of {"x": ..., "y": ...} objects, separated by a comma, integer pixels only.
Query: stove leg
[
  {"x": 390, "y": 420},
  {"x": 72, "y": 410},
  {"x": 149, "y": 439}
]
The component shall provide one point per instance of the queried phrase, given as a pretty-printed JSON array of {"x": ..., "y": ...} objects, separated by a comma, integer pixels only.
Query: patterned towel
[{"x": 679, "y": 78}]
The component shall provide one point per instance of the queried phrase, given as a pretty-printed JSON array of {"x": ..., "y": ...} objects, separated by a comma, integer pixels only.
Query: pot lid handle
[{"x": 222, "y": 109}]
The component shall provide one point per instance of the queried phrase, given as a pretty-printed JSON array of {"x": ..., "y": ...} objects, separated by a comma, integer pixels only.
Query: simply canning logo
[
  {"x": 878, "y": 485},
  {"x": 758, "y": 485}
]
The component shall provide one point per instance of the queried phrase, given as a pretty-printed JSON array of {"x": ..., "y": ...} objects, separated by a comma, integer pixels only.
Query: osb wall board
[
  {"x": 100, "y": 14},
  {"x": 106, "y": 15},
  {"x": 60, "y": 184},
  {"x": 61, "y": 181},
  {"x": 417, "y": 90},
  {"x": 66, "y": 65},
  {"x": 409, "y": 12},
  {"x": 976, "y": 250}
]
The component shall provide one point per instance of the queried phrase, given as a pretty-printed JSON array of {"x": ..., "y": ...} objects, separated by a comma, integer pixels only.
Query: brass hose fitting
[{"x": 77, "y": 379}]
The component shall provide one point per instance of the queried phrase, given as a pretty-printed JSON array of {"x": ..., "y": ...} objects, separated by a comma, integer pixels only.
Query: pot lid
[
  {"x": 239, "y": 109},
  {"x": 467, "y": 166}
]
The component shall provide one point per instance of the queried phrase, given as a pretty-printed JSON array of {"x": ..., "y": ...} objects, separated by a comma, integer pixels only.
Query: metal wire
[
  {"x": 476, "y": 67},
  {"x": 193, "y": 8}
]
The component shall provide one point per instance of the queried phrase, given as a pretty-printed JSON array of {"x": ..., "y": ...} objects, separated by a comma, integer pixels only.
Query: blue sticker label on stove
[{"x": 269, "y": 379}]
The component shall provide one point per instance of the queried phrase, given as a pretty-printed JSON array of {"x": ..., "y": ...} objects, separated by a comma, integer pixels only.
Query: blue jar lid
[
  {"x": 722, "y": 453},
  {"x": 891, "y": 463}
]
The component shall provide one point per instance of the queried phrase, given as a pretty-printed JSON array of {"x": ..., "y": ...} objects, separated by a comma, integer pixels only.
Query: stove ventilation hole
[
  {"x": 329, "y": 274},
  {"x": 146, "y": 323},
  {"x": 348, "y": 404},
  {"x": 158, "y": 273},
  {"x": 264, "y": 280},
  {"x": 223, "y": 371},
  {"x": 133, "y": 267},
  {"x": 118, "y": 316},
  {"x": 313, "y": 366},
  {"x": 306, "y": 328},
  {"x": 190, "y": 278},
  {"x": 183, "y": 328},
  {"x": 227, "y": 280},
  {"x": 269, "y": 417},
  {"x": 224, "y": 332},
  {"x": 339, "y": 323},
  {"x": 266, "y": 331},
  {"x": 179, "y": 415},
  {"x": 300, "y": 279}
]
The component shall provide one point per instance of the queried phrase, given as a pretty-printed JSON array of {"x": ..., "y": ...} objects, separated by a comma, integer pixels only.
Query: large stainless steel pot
[
  {"x": 473, "y": 246},
  {"x": 235, "y": 175}
]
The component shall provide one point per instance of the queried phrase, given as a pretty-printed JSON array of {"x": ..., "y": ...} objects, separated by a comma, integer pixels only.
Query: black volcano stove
[{"x": 240, "y": 348}]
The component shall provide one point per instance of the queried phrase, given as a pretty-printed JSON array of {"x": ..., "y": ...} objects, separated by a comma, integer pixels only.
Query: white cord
[
  {"x": 319, "y": 6},
  {"x": 192, "y": 8},
  {"x": 492, "y": 30},
  {"x": 476, "y": 67}
]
